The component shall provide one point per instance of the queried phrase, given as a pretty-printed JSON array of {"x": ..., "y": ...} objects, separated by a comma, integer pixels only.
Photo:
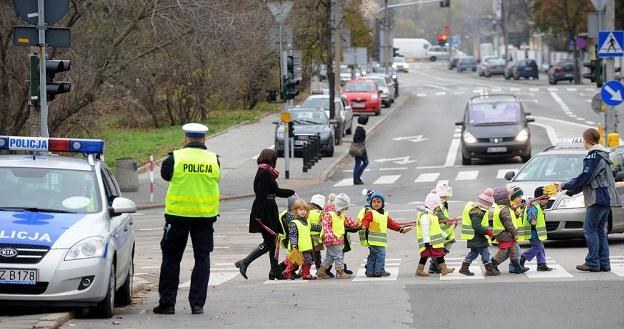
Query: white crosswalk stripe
[
  {"x": 392, "y": 266},
  {"x": 386, "y": 179},
  {"x": 467, "y": 175},
  {"x": 219, "y": 274},
  {"x": 617, "y": 265},
  {"x": 344, "y": 182},
  {"x": 456, "y": 262},
  {"x": 427, "y": 178}
]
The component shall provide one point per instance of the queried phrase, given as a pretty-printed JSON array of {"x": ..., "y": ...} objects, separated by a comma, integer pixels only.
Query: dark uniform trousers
[{"x": 173, "y": 244}]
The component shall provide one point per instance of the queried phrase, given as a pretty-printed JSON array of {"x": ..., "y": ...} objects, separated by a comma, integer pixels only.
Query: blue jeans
[
  {"x": 358, "y": 170},
  {"x": 376, "y": 261},
  {"x": 475, "y": 252},
  {"x": 518, "y": 252},
  {"x": 596, "y": 236}
]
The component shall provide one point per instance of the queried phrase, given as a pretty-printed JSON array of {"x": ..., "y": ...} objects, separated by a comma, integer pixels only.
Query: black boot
[
  {"x": 522, "y": 261},
  {"x": 517, "y": 268},
  {"x": 331, "y": 275},
  {"x": 433, "y": 266},
  {"x": 346, "y": 270},
  {"x": 495, "y": 265},
  {"x": 275, "y": 273},
  {"x": 244, "y": 263}
]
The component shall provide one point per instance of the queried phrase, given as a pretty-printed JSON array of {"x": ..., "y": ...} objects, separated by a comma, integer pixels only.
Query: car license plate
[
  {"x": 568, "y": 75},
  {"x": 528, "y": 68},
  {"x": 497, "y": 149},
  {"x": 18, "y": 276},
  {"x": 299, "y": 143},
  {"x": 358, "y": 105}
]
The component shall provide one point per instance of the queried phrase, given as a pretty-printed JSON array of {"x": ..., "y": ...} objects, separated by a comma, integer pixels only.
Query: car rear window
[
  {"x": 359, "y": 87},
  {"x": 492, "y": 113},
  {"x": 552, "y": 167},
  {"x": 496, "y": 61},
  {"x": 319, "y": 103}
]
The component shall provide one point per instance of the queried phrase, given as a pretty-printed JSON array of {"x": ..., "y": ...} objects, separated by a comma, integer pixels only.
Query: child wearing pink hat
[
  {"x": 430, "y": 236},
  {"x": 476, "y": 232}
]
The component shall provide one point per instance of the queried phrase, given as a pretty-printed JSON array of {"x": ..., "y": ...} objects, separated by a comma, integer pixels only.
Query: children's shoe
[
  {"x": 305, "y": 272},
  {"x": 433, "y": 267},
  {"x": 522, "y": 261},
  {"x": 465, "y": 269},
  {"x": 444, "y": 270},
  {"x": 543, "y": 268},
  {"x": 420, "y": 270},
  {"x": 328, "y": 271},
  {"x": 288, "y": 271},
  {"x": 517, "y": 269},
  {"x": 340, "y": 274},
  {"x": 489, "y": 270},
  {"x": 495, "y": 265},
  {"x": 322, "y": 273},
  {"x": 346, "y": 270}
]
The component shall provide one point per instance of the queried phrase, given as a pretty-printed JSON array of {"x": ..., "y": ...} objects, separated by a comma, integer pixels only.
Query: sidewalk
[{"x": 238, "y": 148}]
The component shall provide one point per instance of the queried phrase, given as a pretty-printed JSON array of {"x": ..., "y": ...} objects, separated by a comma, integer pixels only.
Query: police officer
[{"x": 191, "y": 206}]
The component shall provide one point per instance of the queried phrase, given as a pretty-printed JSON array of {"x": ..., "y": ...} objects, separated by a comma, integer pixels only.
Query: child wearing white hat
[{"x": 430, "y": 236}]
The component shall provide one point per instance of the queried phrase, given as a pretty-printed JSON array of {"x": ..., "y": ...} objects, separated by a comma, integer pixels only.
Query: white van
[{"x": 412, "y": 48}]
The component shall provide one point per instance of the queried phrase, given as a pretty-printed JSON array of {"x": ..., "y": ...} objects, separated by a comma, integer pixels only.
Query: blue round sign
[{"x": 612, "y": 93}]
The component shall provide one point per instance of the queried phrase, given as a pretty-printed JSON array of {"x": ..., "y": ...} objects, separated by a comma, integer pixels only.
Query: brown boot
[
  {"x": 444, "y": 270},
  {"x": 322, "y": 273},
  {"x": 420, "y": 270},
  {"x": 340, "y": 273},
  {"x": 489, "y": 270},
  {"x": 465, "y": 269}
]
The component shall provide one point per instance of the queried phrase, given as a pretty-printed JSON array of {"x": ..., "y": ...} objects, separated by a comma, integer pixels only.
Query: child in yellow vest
[
  {"x": 430, "y": 236},
  {"x": 475, "y": 230},
  {"x": 447, "y": 224},
  {"x": 299, "y": 239},
  {"x": 317, "y": 203},
  {"x": 534, "y": 230},
  {"x": 505, "y": 228},
  {"x": 333, "y": 234}
]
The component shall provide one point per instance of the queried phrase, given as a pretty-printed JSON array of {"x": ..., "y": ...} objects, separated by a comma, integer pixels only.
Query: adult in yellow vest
[
  {"x": 430, "y": 236},
  {"x": 505, "y": 229},
  {"x": 475, "y": 230},
  {"x": 191, "y": 207},
  {"x": 446, "y": 224},
  {"x": 534, "y": 230}
]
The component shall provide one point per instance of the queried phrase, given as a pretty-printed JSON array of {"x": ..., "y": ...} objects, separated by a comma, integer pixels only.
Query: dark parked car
[
  {"x": 307, "y": 122},
  {"x": 523, "y": 68},
  {"x": 495, "y": 126},
  {"x": 561, "y": 71},
  {"x": 466, "y": 63},
  {"x": 494, "y": 66}
]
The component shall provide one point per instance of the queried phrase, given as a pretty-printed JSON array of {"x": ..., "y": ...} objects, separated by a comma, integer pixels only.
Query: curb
[{"x": 56, "y": 320}]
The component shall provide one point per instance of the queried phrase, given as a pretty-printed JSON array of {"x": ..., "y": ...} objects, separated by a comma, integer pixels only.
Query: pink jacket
[{"x": 329, "y": 239}]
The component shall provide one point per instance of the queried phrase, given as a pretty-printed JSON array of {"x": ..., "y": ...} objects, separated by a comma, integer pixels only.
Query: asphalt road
[{"x": 409, "y": 154}]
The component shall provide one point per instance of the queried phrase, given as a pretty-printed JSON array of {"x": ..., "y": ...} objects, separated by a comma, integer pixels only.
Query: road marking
[
  {"x": 571, "y": 89},
  {"x": 496, "y": 90},
  {"x": 514, "y": 89},
  {"x": 286, "y": 281},
  {"x": 150, "y": 229},
  {"x": 400, "y": 160},
  {"x": 580, "y": 119},
  {"x": 150, "y": 267},
  {"x": 391, "y": 266},
  {"x": 459, "y": 93},
  {"x": 476, "y": 269},
  {"x": 572, "y": 115},
  {"x": 552, "y": 89},
  {"x": 467, "y": 175},
  {"x": 456, "y": 135},
  {"x": 386, "y": 179},
  {"x": 502, "y": 172},
  {"x": 533, "y": 89},
  {"x": 590, "y": 122},
  {"x": 421, "y": 95},
  {"x": 216, "y": 278},
  {"x": 351, "y": 170},
  {"x": 590, "y": 89},
  {"x": 390, "y": 169},
  {"x": 440, "y": 93},
  {"x": 255, "y": 157},
  {"x": 452, "y": 152},
  {"x": 344, "y": 182},
  {"x": 557, "y": 272},
  {"x": 427, "y": 178}
]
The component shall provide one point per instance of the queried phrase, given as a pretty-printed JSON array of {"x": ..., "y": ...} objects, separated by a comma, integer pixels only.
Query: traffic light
[
  {"x": 34, "y": 80},
  {"x": 53, "y": 88},
  {"x": 445, "y": 3},
  {"x": 442, "y": 39},
  {"x": 291, "y": 129},
  {"x": 395, "y": 52},
  {"x": 595, "y": 71},
  {"x": 291, "y": 83}
]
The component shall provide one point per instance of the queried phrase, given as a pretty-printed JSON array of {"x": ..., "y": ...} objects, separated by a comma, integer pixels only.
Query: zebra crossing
[{"x": 427, "y": 177}]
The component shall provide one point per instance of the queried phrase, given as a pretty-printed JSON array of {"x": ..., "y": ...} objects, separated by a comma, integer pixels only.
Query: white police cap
[{"x": 195, "y": 130}]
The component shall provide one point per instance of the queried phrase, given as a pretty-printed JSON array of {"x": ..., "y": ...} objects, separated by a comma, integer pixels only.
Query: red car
[{"x": 363, "y": 96}]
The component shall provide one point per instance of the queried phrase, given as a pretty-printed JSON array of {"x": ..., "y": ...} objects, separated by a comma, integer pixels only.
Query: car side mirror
[
  {"x": 122, "y": 206},
  {"x": 459, "y": 123},
  {"x": 379, "y": 92},
  {"x": 510, "y": 175},
  {"x": 620, "y": 176},
  {"x": 530, "y": 120}
]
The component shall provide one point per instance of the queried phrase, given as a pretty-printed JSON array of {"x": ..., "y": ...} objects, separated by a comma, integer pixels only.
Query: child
[
  {"x": 334, "y": 222},
  {"x": 475, "y": 231},
  {"x": 504, "y": 227},
  {"x": 375, "y": 224},
  {"x": 430, "y": 236},
  {"x": 534, "y": 228},
  {"x": 317, "y": 203},
  {"x": 299, "y": 239},
  {"x": 446, "y": 224}
]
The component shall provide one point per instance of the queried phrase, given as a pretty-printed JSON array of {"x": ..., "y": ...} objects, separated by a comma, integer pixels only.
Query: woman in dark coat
[
  {"x": 265, "y": 209},
  {"x": 360, "y": 162}
]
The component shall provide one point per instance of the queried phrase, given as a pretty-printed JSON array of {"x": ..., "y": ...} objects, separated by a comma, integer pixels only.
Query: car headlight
[
  {"x": 374, "y": 97},
  {"x": 577, "y": 201},
  {"x": 92, "y": 247},
  {"x": 468, "y": 138},
  {"x": 523, "y": 135}
]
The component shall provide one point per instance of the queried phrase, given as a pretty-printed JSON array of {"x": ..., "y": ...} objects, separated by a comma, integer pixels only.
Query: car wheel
[
  {"x": 466, "y": 161},
  {"x": 124, "y": 295},
  {"x": 516, "y": 78},
  {"x": 507, "y": 78},
  {"x": 433, "y": 58},
  {"x": 104, "y": 309},
  {"x": 488, "y": 75},
  {"x": 378, "y": 112},
  {"x": 474, "y": 70},
  {"x": 349, "y": 130},
  {"x": 330, "y": 153},
  {"x": 552, "y": 82},
  {"x": 571, "y": 81}
]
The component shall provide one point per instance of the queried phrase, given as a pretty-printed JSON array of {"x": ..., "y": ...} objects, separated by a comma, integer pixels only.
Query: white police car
[{"x": 66, "y": 236}]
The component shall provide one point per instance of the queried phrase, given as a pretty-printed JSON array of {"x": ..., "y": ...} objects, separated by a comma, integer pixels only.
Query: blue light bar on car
[{"x": 44, "y": 144}]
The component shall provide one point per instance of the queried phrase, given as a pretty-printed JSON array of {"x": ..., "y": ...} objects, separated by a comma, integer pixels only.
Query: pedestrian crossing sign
[{"x": 610, "y": 43}]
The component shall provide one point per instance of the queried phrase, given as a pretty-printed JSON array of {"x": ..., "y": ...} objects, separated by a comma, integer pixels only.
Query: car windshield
[
  {"x": 493, "y": 113},
  {"x": 379, "y": 81},
  {"x": 552, "y": 167},
  {"x": 319, "y": 103},
  {"x": 399, "y": 60},
  {"x": 359, "y": 87},
  {"x": 466, "y": 60},
  {"x": 309, "y": 117},
  {"x": 496, "y": 61},
  {"x": 51, "y": 190}
]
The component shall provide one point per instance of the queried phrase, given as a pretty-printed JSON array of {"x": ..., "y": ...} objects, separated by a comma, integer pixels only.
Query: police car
[
  {"x": 565, "y": 215},
  {"x": 66, "y": 236}
]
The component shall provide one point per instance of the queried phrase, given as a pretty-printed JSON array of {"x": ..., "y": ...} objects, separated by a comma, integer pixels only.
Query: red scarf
[{"x": 274, "y": 173}]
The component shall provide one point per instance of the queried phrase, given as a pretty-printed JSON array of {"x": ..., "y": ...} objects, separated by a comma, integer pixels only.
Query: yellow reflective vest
[
  {"x": 540, "y": 226},
  {"x": 498, "y": 227},
  {"x": 467, "y": 232},
  {"x": 314, "y": 217},
  {"x": 446, "y": 228},
  {"x": 194, "y": 187},
  {"x": 377, "y": 230},
  {"x": 304, "y": 241},
  {"x": 435, "y": 233},
  {"x": 338, "y": 224}
]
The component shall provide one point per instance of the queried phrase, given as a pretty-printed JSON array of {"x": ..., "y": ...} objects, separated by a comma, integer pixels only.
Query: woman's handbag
[{"x": 357, "y": 150}]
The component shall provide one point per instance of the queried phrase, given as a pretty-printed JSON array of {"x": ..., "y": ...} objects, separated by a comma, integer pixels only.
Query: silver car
[
  {"x": 66, "y": 236},
  {"x": 320, "y": 99},
  {"x": 565, "y": 215},
  {"x": 386, "y": 85}
]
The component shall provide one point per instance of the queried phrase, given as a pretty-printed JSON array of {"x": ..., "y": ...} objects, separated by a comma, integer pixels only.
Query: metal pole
[
  {"x": 337, "y": 60},
  {"x": 450, "y": 17},
  {"x": 282, "y": 66},
  {"x": 386, "y": 38},
  {"x": 609, "y": 69},
  {"x": 504, "y": 27},
  {"x": 286, "y": 150},
  {"x": 43, "y": 95}
]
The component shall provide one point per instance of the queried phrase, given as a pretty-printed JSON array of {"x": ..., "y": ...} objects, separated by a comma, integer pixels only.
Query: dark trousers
[
  {"x": 358, "y": 170},
  {"x": 172, "y": 245}
]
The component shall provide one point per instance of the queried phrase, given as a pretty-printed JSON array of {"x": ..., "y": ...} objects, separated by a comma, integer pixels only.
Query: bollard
[
  {"x": 126, "y": 174},
  {"x": 305, "y": 151},
  {"x": 319, "y": 150}
]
